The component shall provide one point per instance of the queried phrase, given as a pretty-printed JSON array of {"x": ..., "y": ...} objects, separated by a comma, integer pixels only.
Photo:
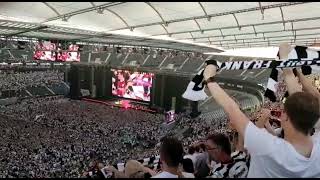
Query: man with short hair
[
  {"x": 191, "y": 151},
  {"x": 298, "y": 154},
  {"x": 219, "y": 150},
  {"x": 171, "y": 155}
]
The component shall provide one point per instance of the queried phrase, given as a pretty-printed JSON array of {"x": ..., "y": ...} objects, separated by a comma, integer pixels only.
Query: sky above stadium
[{"x": 267, "y": 52}]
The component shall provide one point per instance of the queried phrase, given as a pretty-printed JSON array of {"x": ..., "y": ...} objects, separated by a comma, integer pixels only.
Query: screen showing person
[
  {"x": 44, "y": 55},
  {"x": 45, "y": 46},
  {"x": 132, "y": 85},
  {"x": 67, "y": 56},
  {"x": 73, "y": 47}
]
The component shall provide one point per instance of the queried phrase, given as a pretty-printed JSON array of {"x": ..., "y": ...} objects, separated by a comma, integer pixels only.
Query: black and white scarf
[
  {"x": 301, "y": 56},
  {"x": 195, "y": 88},
  {"x": 298, "y": 55}
]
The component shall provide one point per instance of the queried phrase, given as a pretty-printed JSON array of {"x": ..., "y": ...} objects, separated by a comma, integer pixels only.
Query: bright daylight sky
[{"x": 267, "y": 52}]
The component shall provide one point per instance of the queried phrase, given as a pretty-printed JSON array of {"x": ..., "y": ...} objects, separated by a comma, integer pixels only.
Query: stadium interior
[{"x": 89, "y": 85}]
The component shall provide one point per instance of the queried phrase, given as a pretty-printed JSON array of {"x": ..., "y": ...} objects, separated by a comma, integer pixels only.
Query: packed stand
[
  {"x": 22, "y": 80},
  {"x": 55, "y": 137}
]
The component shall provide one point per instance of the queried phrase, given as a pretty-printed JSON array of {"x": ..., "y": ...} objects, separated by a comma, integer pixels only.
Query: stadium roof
[{"x": 197, "y": 26}]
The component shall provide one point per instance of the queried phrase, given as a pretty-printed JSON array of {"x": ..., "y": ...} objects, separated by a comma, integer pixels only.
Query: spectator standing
[
  {"x": 219, "y": 150},
  {"x": 171, "y": 155}
]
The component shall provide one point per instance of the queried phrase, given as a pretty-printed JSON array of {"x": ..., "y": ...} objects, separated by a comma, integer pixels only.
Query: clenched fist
[{"x": 210, "y": 70}]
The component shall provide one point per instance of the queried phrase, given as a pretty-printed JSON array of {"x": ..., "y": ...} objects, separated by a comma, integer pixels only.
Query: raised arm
[
  {"x": 237, "y": 118},
  {"x": 289, "y": 78},
  {"x": 307, "y": 85}
]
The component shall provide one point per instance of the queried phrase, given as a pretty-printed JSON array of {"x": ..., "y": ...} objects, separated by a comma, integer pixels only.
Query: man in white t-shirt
[
  {"x": 298, "y": 154},
  {"x": 171, "y": 155}
]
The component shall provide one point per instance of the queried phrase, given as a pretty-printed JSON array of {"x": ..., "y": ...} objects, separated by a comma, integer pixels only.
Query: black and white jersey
[{"x": 236, "y": 169}]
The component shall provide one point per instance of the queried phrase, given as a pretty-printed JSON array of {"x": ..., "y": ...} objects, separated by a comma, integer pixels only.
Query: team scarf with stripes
[{"x": 300, "y": 56}]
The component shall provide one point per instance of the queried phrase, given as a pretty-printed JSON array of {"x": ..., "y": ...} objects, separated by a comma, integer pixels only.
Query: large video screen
[
  {"x": 132, "y": 85},
  {"x": 45, "y": 46},
  {"x": 45, "y": 55},
  {"x": 68, "y": 56},
  {"x": 57, "y": 51}
]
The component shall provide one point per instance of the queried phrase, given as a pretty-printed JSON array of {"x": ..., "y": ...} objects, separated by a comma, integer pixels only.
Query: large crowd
[
  {"x": 56, "y": 137},
  {"x": 22, "y": 80}
]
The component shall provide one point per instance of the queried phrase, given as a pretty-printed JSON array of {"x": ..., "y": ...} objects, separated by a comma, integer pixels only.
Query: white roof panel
[
  {"x": 146, "y": 20},
  {"x": 250, "y": 36},
  {"x": 301, "y": 11},
  {"x": 238, "y": 31},
  {"x": 304, "y": 24},
  {"x": 316, "y": 31},
  {"x": 135, "y": 13},
  {"x": 181, "y": 26},
  {"x": 182, "y": 36},
  {"x": 91, "y": 20},
  {"x": 222, "y": 38},
  {"x": 269, "y": 27},
  {"x": 156, "y": 29},
  {"x": 218, "y": 22},
  {"x": 67, "y": 7},
  {"x": 32, "y": 11},
  {"x": 207, "y": 33},
  {"x": 176, "y": 10},
  {"x": 283, "y": 33},
  {"x": 220, "y": 7},
  {"x": 255, "y": 17}
]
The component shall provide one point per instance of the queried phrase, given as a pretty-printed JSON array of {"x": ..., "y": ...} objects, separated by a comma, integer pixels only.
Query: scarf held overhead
[
  {"x": 305, "y": 57},
  {"x": 299, "y": 57}
]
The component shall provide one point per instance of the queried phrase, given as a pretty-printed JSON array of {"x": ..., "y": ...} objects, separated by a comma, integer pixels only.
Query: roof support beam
[
  {"x": 99, "y": 10},
  {"x": 247, "y": 25},
  {"x": 254, "y": 29},
  {"x": 204, "y": 11},
  {"x": 283, "y": 21},
  {"x": 270, "y": 38},
  {"x": 163, "y": 26},
  {"x": 192, "y": 37},
  {"x": 218, "y": 14},
  {"x": 237, "y": 21},
  {"x": 301, "y": 29},
  {"x": 221, "y": 33},
  {"x": 52, "y": 8},
  {"x": 265, "y": 41},
  {"x": 199, "y": 26},
  {"x": 209, "y": 41},
  {"x": 262, "y": 10},
  {"x": 258, "y": 44},
  {"x": 81, "y": 11},
  {"x": 163, "y": 21}
]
